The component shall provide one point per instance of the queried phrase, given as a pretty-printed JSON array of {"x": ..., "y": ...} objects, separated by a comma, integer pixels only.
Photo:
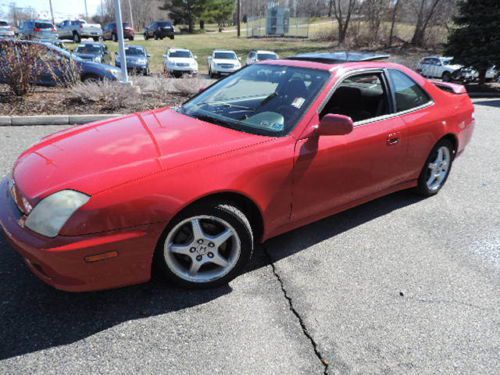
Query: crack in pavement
[{"x": 305, "y": 331}]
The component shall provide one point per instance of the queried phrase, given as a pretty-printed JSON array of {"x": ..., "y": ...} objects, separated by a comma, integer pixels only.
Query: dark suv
[
  {"x": 110, "y": 33},
  {"x": 159, "y": 30}
]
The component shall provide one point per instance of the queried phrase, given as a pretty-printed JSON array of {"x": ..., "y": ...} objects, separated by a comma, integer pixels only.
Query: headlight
[
  {"x": 51, "y": 213},
  {"x": 141, "y": 61},
  {"x": 114, "y": 72},
  {"x": 97, "y": 59}
]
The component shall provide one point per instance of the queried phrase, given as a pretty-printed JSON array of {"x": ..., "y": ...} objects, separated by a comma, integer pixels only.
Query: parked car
[
  {"x": 159, "y": 30},
  {"x": 76, "y": 30},
  {"x": 137, "y": 59},
  {"x": 178, "y": 61},
  {"x": 6, "y": 30},
  {"x": 58, "y": 62},
  {"x": 110, "y": 33},
  {"x": 191, "y": 189},
  {"x": 57, "y": 43},
  {"x": 96, "y": 52},
  {"x": 37, "y": 30},
  {"x": 256, "y": 56},
  {"x": 223, "y": 62},
  {"x": 438, "y": 67},
  {"x": 469, "y": 74}
]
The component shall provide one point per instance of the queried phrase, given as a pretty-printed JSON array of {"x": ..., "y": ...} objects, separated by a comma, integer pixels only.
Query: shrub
[
  {"x": 20, "y": 65},
  {"x": 110, "y": 95},
  {"x": 188, "y": 86}
]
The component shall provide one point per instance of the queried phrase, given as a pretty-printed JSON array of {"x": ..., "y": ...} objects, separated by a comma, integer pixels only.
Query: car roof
[
  {"x": 263, "y": 51},
  {"x": 339, "y": 56},
  {"x": 178, "y": 49},
  {"x": 333, "y": 67},
  {"x": 223, "y": 50}
]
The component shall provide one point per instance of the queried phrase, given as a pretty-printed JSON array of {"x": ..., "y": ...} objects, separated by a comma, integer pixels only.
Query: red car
[
  {"x": 109, "y": 32},
  {"x": 191, "y": 189}
]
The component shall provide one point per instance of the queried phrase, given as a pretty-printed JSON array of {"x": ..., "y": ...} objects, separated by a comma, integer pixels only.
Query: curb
[{"x": 53, "y": 120}]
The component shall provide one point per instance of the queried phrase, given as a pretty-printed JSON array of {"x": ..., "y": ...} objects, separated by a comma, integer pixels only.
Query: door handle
[{"x": 393, "y": 139}]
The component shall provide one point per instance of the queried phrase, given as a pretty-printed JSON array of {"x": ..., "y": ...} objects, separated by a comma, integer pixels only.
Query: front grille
[
  {"x": 226, "y": 66},
  {"x": 182, "y": 64}
]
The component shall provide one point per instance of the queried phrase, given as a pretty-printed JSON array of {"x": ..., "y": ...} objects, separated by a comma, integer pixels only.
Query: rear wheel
[
  {"x": 206, "y": 246},
  {"x": 446, "y": 77},
  {"x": 115, "y": 38},
  {"x": 76, "y": 38},
  {"x": 436, "y": 169},
  {"x": 131, "y": 38},
  {"x": 146, "y": 36}
]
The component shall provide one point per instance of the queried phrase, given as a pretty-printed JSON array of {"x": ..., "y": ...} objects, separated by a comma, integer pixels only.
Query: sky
[{"x": 62, "y": 8}]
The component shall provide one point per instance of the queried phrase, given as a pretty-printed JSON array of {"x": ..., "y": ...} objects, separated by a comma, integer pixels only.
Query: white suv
[
  {"x": 178, "y": 61},
  {"x": 223, "y": 62},
  {"x": 256, "y": 56},
  {"x": 438, "y": 67}
]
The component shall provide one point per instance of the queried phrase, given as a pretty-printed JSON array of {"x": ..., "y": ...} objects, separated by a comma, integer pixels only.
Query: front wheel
[
  {"x": 115, "y": 38},
  {"x": 446, "y": 77},
  {"x": 436, "y": 169},
  {"x": 76, "y": 38},
  {"x": 206, "y": 246}
]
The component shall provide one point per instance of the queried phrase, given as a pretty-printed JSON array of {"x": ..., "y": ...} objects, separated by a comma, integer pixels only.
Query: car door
[{"x": 334, "y": 172}]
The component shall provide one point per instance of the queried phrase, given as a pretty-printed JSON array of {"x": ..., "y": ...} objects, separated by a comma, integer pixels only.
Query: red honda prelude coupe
[{"x": 192, "y": 189}]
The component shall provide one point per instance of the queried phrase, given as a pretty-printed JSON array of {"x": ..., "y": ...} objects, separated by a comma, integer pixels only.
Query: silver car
[
  {"x": 37, "y": 30},
  {"x": 6, "y": 31}
]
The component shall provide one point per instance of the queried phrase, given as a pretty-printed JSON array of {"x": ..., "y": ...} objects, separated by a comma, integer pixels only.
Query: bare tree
[
  {"x": 343, "y": 11},
  {"x": 426, "y": 9},
  {"x": 394, "y": 16}
]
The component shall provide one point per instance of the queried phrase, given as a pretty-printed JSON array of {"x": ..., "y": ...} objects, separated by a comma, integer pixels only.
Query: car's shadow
[
  {"x": 34, "y": 316},
  {"x": 488, "y": 103}
]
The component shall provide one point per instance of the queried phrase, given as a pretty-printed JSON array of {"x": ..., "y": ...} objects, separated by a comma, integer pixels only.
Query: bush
[
  {"x": 188, "y": 86},
  {"x": 110, "y": 95},
  {"x": 20, "y": 65}
]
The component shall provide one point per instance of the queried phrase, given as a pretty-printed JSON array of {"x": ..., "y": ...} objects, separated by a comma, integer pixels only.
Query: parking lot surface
[{"x": 401, "y": 285}]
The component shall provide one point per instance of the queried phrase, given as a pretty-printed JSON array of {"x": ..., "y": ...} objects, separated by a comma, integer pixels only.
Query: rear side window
[
  {"x": 407, "y": 92},
  {"x": 43, "y": 25}
]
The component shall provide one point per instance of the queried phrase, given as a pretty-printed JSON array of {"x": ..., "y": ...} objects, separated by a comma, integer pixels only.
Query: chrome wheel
[
  {"x": 437, "y": 169},
  {"x": 202, "y": 249}
]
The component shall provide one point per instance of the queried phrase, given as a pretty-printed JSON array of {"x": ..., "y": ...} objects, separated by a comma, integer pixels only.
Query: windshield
[
  {"x": 180, "y": 54},
  {"x": 134, "y": 51},
  {"x": 89, "y": 49},
  {"x": 164, "y": 24},
  {"x": 447, "y": 60},
  {"x": 260, "y": 99},
  {"x": 225, "y": 55},
  {"x": 3, "y": 23},
  {"x": 266, "y": 56}
]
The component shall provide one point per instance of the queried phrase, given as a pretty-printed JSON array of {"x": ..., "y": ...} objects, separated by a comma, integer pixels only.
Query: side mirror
[
  {"x": 332, "y": 124},
  {"x": 148, "y": 55},
  {"x": 165, "y": 56}
]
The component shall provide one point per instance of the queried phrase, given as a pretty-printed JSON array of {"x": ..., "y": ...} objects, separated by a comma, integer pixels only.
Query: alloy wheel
[{"x": 437, "y": 169}]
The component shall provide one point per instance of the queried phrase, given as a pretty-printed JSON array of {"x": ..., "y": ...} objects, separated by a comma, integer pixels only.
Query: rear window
[
  {"x": 3, "y": 23},
  {"x": 164, "y": 24},
  {"x": 408, "y": 93},
  {"x": 43, "y": 25}
]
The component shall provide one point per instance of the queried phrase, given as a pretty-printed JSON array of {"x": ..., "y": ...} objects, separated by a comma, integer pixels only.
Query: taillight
[
  {"x": 37, "y": 29},
  {"x": 54, "y": 30},
  {"x": 81, "y": 26}
]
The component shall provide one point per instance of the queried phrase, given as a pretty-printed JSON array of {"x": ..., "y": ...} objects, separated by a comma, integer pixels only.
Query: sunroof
[{"x": 339, "y": 57}]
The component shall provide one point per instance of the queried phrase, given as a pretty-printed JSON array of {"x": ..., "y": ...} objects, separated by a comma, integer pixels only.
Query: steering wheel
[{"x": 287, "y": 110}]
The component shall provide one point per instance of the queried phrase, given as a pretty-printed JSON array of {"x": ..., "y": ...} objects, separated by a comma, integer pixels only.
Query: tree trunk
[
  {"x": 330, "y": 5},
  {"x": 393, "y": 21},
  {"x": 482, "y": 77}
]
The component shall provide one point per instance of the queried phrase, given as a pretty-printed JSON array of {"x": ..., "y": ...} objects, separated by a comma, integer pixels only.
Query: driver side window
[{"x": 361, "y": 97}]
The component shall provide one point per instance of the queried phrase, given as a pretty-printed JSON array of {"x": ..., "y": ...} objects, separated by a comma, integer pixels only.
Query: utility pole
[
  {"x": 121, "y": 43},
  {"x": 51, "y": 12},
  {"x": 238, "y": 26},
  {"x": 131, "y": 17},
  {"x": 86, "y": 10}
]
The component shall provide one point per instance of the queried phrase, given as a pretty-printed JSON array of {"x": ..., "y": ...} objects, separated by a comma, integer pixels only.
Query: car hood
[
  {"x": 95, "y": 157},
  {"x": 226, "y": 61},
  {"x": 186, "y": 60}
]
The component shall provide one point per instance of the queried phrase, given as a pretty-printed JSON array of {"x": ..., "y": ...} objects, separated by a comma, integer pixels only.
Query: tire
[
  {"x": 131, "y": 38},
  {"x": 446, "y": 77},
  {"x": 210, "y": 74},
  {"x": 91, "y": 79},
  {"x": 425, "y": 186},
  {"x": 198, "y": 262},
  {"x": 156, "y": 36},
  {"x": 146, "y": 37},
  {"x": 76, "y": 38},
  {"x": 96, "y": 38},
  {"x": 172, "y": 37},
  {"x": 114, "y": 37}
]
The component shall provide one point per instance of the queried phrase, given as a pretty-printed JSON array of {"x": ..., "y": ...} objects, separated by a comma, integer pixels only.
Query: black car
[
  {"x": 96, "y": 52},
  {"x": 159, "y": 30}
]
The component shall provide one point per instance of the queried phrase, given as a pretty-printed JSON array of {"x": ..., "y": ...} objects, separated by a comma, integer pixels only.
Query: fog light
[{"x": 102, "y": 256}]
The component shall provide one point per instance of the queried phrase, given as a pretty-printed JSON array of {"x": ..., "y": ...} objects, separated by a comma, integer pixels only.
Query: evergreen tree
[
  {"x": 475, "y": 39},
  {"x": 219, "y": 11},
  {"x": 185, "y": 11}
]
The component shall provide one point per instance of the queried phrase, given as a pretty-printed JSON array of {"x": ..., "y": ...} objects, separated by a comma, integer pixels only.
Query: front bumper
[{"x": 60, "y": 261}]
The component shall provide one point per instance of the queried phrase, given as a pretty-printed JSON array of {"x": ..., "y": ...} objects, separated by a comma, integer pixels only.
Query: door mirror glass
[{"x": 332, "y": 124}]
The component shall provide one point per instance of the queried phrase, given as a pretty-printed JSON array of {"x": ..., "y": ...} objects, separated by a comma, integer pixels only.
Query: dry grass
[{"x": 110, "y": 95}]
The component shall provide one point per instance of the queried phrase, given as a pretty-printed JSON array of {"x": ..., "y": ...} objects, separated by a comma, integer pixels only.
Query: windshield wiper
[{"x": 212, "y": 119}]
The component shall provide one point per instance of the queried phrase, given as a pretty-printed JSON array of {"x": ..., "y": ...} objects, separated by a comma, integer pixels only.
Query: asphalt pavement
[{"x": 400, "y": 285}]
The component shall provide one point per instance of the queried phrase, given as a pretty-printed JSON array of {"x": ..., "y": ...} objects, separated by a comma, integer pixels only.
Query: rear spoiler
[{"x": 450, "y": 87}]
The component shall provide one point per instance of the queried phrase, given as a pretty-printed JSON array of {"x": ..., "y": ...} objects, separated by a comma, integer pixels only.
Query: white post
[
  {"x": 121, "y": 43},
  {"x": 131, "y": 15}
]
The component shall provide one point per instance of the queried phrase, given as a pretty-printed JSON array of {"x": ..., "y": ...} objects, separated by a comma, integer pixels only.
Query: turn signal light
[{"x": 102, "y": 256}]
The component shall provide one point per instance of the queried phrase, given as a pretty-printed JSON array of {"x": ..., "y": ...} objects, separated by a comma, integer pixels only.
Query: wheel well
[
  {"x": 245, "y": 204},
  {"x": 454, "y": 141}
]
